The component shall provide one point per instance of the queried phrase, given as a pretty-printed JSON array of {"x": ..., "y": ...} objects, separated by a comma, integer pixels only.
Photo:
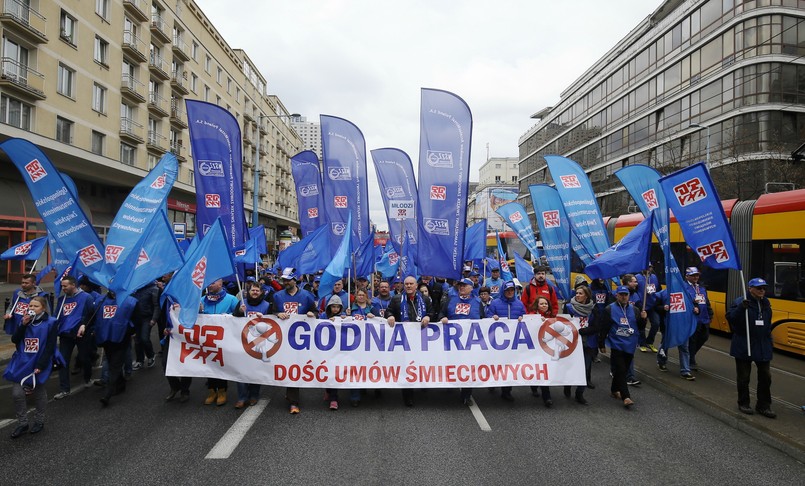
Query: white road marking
[
  {"x": 479, "y": 417},
  {"x": 229, "y": 442},
  {"x": 5, "y": 422}
]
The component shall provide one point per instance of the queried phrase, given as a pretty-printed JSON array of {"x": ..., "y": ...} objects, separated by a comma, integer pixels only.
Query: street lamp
[
  {"x": 707, "y": 160},
  {"x": 255, "y": 211}
]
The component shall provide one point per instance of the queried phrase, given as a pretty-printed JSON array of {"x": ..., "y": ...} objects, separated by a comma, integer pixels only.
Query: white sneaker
[
  {"x": 150, "y": 362},
  {"x": 136, "y": 366},
  {"x": 61, "y": 395}
]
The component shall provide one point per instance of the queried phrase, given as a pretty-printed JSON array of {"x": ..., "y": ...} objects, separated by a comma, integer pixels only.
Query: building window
[
  {"x": 218, "y": 75},
  {"x": 15, "y": 113},
  {"x": 237, "y": 94},
  {"x": 194, "y": 50},
  {"x": 153, "y": 160},
  {"x": 99, "y": 98},
  {"x": 101, "y": 55},
  {"x": 206, "y": 93},
  {"x": 98, "y": 141},
  {"x": 67, "y": 27},
  {"x": 207, "y": 62},
  {"x": 128, "y": 154},
  {"x": 193, "y": 82},
  {"x": 66, "y": 81},
  {"x": 497, "y": 178},
  {"x": 229, "y": 86},
  {"x": 217, "y": 100},
  {"x": 64, "y": 130},
  {"x": 102, "y": 8}
]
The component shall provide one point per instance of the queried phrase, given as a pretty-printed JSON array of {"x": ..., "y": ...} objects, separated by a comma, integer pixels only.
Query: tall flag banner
[
  {"x": 693, "y": 199},
  {"x": 475, "y": 241},
  {"x": 57, "y": 206},
  {"x": 389, "y": 262},
  {"x": 210, "y": 260},
  {"x": 308, "y": 255},
  {"x": 364, "y": 257},
  {"x": 525, "y": 272},
  {"x": 516, "y": 217},
  {"x": 27, "y": 250},
  {"x": 137, "y": 212},
  {"x": 57, "y": 256},
  {"x": 629, "y": 255},
  {"x": 395, "y": 173},
  {"x": 157, "y": 253},
  {"x": 246, "y": 253},
  {"x": 218, "y": 162},
  {"x": 408, "y": 260},
  {"x": 505, "y": 272},
  {"x": 643, "y": 184},
  {"x": 444, "y": 170},
  {"x": 554, "y": 228},
  {"x": 346, "y": 192},
  {"x": 258, "y": 234},
  {"x": 578, "y": 199},
  {"x": 309, "y": 194},
  {"x": 492, "y": 264},
  {"x": 340, "y": 263}
]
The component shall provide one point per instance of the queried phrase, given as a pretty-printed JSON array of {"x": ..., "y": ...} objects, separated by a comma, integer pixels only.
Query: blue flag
[
  {"x": 629, "y": 255},
  {"x": 309, "y": 193},
  {"x": 365, "y": 258},
  {"x": 525, "y": 272},
  {"x": 408, "y": 260},
  {"x": 554, "y": 228},
  {"x": 516, "y": 217},
  {"x": 258, "y": 234},
  {"x": 389, "y": 263},
  {"x": 444, "y": 170},
  {"x": 475, "y": 241},
  {"x": 42, "y": 273},
  {"x": 136, "y": 213},
  {"x": 157, "y": 255},
  {"x": 57, "y": 206},
  {"x": 185, "y": 244},
  {"x": 27, "y": 250},
  {"x": 210, "y": 260},
  {"x": 505, "y": 272},
  {"x": 693, "y": 199},
  {"x": 346, "y": 192},
  {"x": 308, "y": 255},
  {"x": 643, "y": 184},
  {"x": 246, "y": 253},
  {"x": 215, "y": 141},
  {"x": 338, "y": 266},
  {"x": 395, "y": 173},
  {"x": 492, "y": 264}
]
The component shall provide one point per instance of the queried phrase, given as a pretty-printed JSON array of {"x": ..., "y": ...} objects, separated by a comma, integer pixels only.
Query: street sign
[
  {"x": 180, "y": 230},
  {"x": 401, "y": 210}
]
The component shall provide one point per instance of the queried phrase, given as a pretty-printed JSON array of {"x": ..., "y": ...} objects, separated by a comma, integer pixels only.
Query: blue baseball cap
[
  {"x": 508, "y": 285},
  {"x": 692, "y": 271},
  {"x": 757, "y": 282},
  {"x": 622, "y": 290},
  {"x": 466, "y": 281}
]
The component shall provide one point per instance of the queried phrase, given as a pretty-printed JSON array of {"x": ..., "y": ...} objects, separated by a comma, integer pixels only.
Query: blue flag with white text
[
  {"x": 27, "y": 250},
  {"x": 395, "y": 174},
  {"x": 389, "y": 263},
  {"x": 516, "y": 217},
  {"x": 554, "y": 229},
  {"x": 309, "y": 193}
]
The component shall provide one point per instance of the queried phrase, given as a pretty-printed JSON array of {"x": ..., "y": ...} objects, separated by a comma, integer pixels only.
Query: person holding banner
[
  {"x": 648, "y": 285},
  {"x": 362, "y": 308},
  {"x": 583, "y": 307},
  {"x": 750, "y": 322},
  {"x": 20, "y": 300},
  {"x": 113, "y": 327},
  {"x": 74, "y": 315},
  {"x": 703, "y": 311},
  {"x": 335, "y": 308},
  {"x": 507, "y": 306},
  {"x": 465, "y": 305},
  {"x": 621, "y": 321},
  {"x": 254, "y": 306},
  {"x": 382, "y": 299},
  {"x": 217, "y": 301}
]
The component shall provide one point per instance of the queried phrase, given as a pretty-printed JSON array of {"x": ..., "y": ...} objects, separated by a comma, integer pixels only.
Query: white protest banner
[{"x": 346, "y": 353}]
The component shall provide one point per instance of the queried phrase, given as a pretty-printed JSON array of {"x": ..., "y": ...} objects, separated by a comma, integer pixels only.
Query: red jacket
[{"x": 534, "y": 290}]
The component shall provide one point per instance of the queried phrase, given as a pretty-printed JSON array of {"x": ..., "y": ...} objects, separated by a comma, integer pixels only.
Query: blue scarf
[
  {"x": 211, "y": 298},
  {"x": 420, "y": 307}
]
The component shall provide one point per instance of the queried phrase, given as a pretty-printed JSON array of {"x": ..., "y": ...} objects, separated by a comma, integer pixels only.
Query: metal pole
[
  {"x": 255, "y": 211},
  {"x": 707, "y": 159}
]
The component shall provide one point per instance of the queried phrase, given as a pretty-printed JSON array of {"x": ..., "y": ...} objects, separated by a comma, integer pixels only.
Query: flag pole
[
  {"x": 746, "y": 316},
  {"x": 34, "y": 265}
]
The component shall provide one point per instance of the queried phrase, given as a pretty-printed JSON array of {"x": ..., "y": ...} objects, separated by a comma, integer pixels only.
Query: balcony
[
  {"x": 177, "y": 115},
  {"x": 179, "y": 82},
  {"x": 133, "y": 46},
  {"x": 158, "y": 66},
  {"x": 159, "y": 29},
  {"x": 137, "y": 9},
  {"x": 23, "y": 20},
  {"x": 132, "y": 89},
  {"x": 180, "y": 49},
  {"x": 248, "y": 116},
  {"x": 248, "y": 162},
  {"x": 176, "y": 149},
  {"x": 131, "y": 130},
  {"x": 157, "y": 105},
  {"x": 156, "y": 141},
  {"x": 21, "y": 79}
]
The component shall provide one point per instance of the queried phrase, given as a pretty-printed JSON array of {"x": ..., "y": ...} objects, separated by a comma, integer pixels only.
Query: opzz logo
[
  {"x": 440, "y": 159},
  {"x": 109, "y": 311},
  {"x": 211, "y": 168},
  {"x": 159, "y": 182},
  {"x": 716, "y": 249},
  {"x": 438, "y": 193},
  {"x": 339, "y": 174},
  {"x": 338, "y": 229},
  {"x": 142, "y": 258},
  {"x": 437, "y": 226},
  {"x": 309, "y": 190},
  {"x": 650, "y": 198},
  {"x": 463, "y": 309},
  {"x": 570, "y": 181},
  {"x": 199, "y": 272},
  {"x": 340, "y": 202},
  {"x": 31, "y": 345},
  {"x": 516, "y": 217},
  {"x": 113, "y": 253},
  {"x": 212, "y": 201},
  {"x": 313, "y": 212},
  {"x": 689, "y": 192},
  {"x": 676, "y": 303},
  {"x": 68, "y": 308},
  {"x": 551, "y": 219},
  {"x": 35, "y": 170},
  {"x": 22, "y": 249},
  {"x": 393, "y": 258},
  {"x": 89, "y": 255},
  {"x": 394, "y": 192}
]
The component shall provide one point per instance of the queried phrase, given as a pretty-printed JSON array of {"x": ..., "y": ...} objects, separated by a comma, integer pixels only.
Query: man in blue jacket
[{"x": 73, "y": 314}]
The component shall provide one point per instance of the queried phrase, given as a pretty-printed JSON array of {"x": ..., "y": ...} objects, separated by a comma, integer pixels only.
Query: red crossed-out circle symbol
[
  {"x": 265, "y": 344},
  {"x": 547, "y": 329}
]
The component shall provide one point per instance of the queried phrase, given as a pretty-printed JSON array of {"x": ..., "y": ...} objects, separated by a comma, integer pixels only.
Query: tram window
[{"x": 781, "y": 264}]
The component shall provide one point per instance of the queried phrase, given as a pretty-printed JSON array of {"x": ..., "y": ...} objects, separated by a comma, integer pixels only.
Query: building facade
[
  {"x": 497, "y": 185},
  {"x": 100, "y": 88},
  {"x": 310, "y": 132},
  {"x": 721, "y": 81}
]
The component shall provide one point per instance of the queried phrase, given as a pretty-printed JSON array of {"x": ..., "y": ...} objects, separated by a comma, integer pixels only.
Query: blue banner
[
  {"x": 258, "y": 234},
  {"x": 57, "y": 206},
  {"x": 309, "y": 192},
  {"x": 27, "y": 250},
  {"x": 516, "y": 217},
  {"x": 505, "y": 272},
  {"x": 218, "y": 163},
  {"x": 408, "y": 259},
  {"x": 444, "y": 170},
  {"x": 475, "y": 241},
  {"x": 395, "y": 173},
  {"x": 340, "y": 263},
  {"x": 629, "y": 255},
  {"x": 364, "y": 257},
  {"x": 158, "y": 254},
  {"x": 524, "y": 270},
  {"x": 554, "y": 229},
  {"x": 581, "y": 208},
  {"x": 208, "y": 261},
  {"x": 308, "y": 255},
  {"x": 389, "y": 263},
  {"x": 344, "y": 175},
  {"x": 136, "y": 213},
  {"x": 693, "y": 199},
  {"x": 643, "y": 184},
  {"x": 246, "y": 253}
]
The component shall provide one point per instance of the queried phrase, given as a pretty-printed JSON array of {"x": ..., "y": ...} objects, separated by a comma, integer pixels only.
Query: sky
[{"x": 367, "y": 61}]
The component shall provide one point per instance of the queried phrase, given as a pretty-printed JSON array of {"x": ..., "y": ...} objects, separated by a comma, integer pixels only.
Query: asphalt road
[{"x": 141, "y": 439}]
